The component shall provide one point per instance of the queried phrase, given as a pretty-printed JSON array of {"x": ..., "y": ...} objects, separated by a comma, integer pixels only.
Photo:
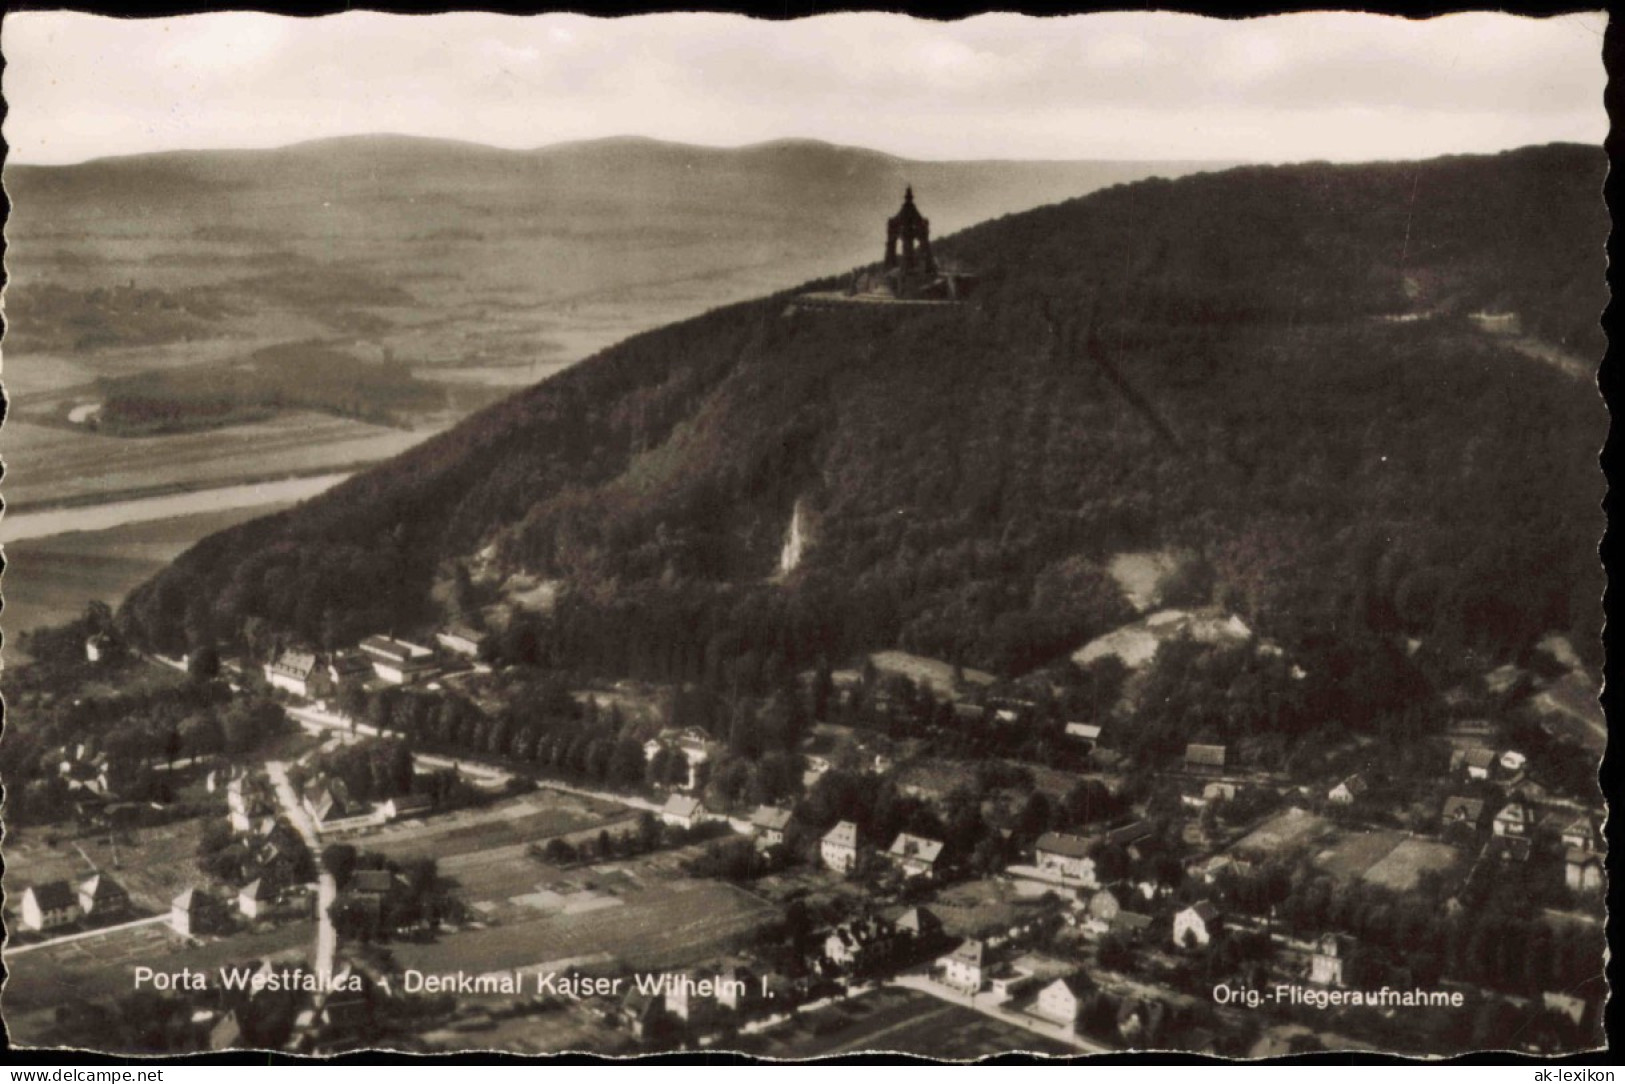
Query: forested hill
[{"x": 1275, "y": 369}]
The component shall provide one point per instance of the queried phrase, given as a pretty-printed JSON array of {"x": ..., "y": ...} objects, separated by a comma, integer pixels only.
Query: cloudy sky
[{"x": 1133, "y": 85}]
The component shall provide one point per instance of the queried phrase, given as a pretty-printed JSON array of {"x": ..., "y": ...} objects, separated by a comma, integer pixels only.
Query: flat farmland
[
  {"x": 1287, "y": 830},
  {"x": 903, "y": 1022},
  {"x": 505, "y": 826},
  {"x": 1401, "y": 868},
  {"x": 650, "y": 925},
  {"x": 104, "y": 967},
  {"x": 1353, "y": 854}
]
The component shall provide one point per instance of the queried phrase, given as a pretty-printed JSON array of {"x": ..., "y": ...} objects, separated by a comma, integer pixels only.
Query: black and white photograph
[{"x": 804, "y": 537}]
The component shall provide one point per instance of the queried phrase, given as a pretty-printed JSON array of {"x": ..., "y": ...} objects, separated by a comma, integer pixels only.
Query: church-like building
[{"x": 909, "y": 272}]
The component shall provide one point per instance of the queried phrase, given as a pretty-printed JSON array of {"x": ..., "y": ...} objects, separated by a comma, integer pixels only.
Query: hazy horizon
[{"x": 1133, "y": 86}]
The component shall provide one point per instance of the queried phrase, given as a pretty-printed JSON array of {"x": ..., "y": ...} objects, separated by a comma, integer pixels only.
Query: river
[{"x": 17, "y": 527}]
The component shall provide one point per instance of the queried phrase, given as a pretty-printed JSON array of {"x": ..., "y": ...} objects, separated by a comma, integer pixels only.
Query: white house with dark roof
[
  {"x": 399, "y": 662},
  {"x": 1582, "y": 869},
  {"x": 1514, "y": 819},
  {"x": 684, "y": 811},
  {"x": 1065, "y": 856},
  {"x": 1468, "y": 812},
  {"x": 257, "y": 898},
  {"x": 49, "y": 906},
  {"x": 916, "y": 856},
  {"x": 1348, "y": 791},
  {"x": 102, "y": 898},
  {"x": 1580, "y": 835},
  {"x": 1196, "y": 923},
  {"x": 1062, "y": 1000},
  {"x": 302, "y": 673},
  {"x": 768, "y": 825},
  {"x": 839, "y": 848},
  {"x": 461, "y": 640},
  {"x": 1478, "y": 762},
  {"x": 194, "y": 911},
  {"x": 963, "y": 967}
]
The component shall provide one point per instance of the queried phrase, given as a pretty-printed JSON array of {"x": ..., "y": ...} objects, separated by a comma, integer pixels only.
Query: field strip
[{"x": 83, "y": 935}]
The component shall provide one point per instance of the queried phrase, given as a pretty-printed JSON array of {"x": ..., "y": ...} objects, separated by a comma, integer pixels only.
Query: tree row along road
[{"x": 485, "y": 776}]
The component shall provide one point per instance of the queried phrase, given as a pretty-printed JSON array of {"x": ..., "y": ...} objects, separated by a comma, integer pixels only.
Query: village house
[
  {"x": 768, "y": 825},
  {"x": 1008, "y": 980},
  {"x": 839, "y": 848},
  {"x": 1205, "y": 758},
  {"x": 1513, "y": 761},
  {"x": 1129, "y": 837},
  {"x": 1478, "y": 762},
  {"x": 1566, "y": 1005},
  {"x": 195, "y": 912},
  {"x": 348, "y": 668},
  {"x": 1062, "y": 1000},
  {"x": 1347, "y": 791},
  {"x": 1140, "y": 1020},
  {"x": 1467, "y": 813},
  {"x": 461, "y": 640},
  {"x": 919, "y": 925},
  {"x": 1326, "y": 962},
  {"x": 684, "y": 811},
  {"x": 1131, "y": 925},
  {"x": 49, "y": 906},
  {"x": 301, "y": 673},
  {"x": 102, "y": 898},
  {"x": 1582, "y": 869},
  {"x": 328, "y": 800},
  {"x": 1219, "y": 790},
  {"x": 1580, "y": 835},
  {"x": 1514, "y": 819},
  {"x": 258, "y": 898},
  {"x": 1064, "y": 856},
  {"x": 1508, "y": 848},
  {"x": 1088, "y": 733},
  {"x": 1196, "y": 924},
  {"x": 397, "y": 661},
  {"x": 962, "y": 968},
  {"x": 691, "y": 743},
  {"x": 915, "y": 856},
  {"x": 848, "y": 943},
  {"x": 249, "y": 800}
]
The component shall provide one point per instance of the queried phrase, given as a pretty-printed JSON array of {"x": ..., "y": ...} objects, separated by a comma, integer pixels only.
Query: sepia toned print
[{"x": 547, "y": 534}]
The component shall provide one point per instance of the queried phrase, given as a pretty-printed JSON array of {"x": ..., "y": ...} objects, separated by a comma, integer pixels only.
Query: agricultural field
[
  {"x": 1401, "y": 868},
  {"x": 1287, "y": 830},
  {"x": 103, "y": 968},
  {"x": 1350, "y": 854},
  {"x": 645, "y": 914},
  {"x": 503, "y": 828},
  {"x": 899, "y": 1021}
]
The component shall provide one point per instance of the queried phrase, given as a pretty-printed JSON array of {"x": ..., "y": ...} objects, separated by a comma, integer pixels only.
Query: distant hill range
[
  {"x": 1349, "y": 391},
  {"x": 366, "y": 233}
]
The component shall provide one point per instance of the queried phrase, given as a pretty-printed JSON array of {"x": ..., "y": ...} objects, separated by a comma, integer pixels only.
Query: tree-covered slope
[{"x": 1274, "y": 369}]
